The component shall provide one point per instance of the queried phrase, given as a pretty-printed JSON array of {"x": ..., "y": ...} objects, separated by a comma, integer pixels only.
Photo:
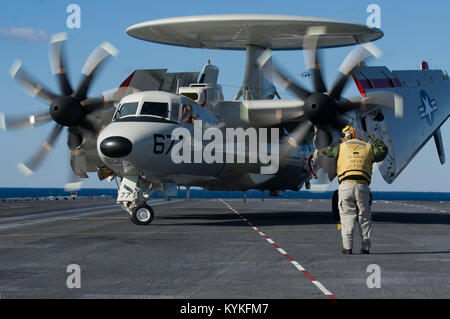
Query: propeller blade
[
  {"x": 372, "y": 101},
  {"x": 386, "y": 99},
  {"x": 338, "y": 123},
  {"x": 31, "y": 87},
  {"x": 29, "y": 167},
  {"x": 57, "y": 62},
  {"x": 312, "y": 59},
  {"x": 114, "y": 95},
  {"x": 295, "y": 138},
  {"x": 92, "y": 104},
  {"x": 24, "y": 122},
  {"x": 86, "y": 124},
  {"x": 280, "y": 75},
  {"x": 93, "y": 63},
  {"x": 357, "y": 104},
  {"x": 322, "y": 138},
  {"x": 328, "y": 165},
  {"x": 353, "y": 59},
  {"x": 74, "y": 182}
]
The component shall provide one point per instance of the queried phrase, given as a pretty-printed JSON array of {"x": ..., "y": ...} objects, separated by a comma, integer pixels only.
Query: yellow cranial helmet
[{"x": 349, "y": 130}]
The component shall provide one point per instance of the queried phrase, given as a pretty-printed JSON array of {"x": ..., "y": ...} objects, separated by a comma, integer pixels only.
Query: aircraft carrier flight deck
[{"x": 221, "y": 248}]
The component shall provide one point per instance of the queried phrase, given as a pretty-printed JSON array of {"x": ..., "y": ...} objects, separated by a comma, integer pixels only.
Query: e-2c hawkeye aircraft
[{"x": 154, "y": 131}]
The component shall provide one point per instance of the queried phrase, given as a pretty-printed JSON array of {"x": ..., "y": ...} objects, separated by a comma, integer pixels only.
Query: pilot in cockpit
[{"x": 188, "y": 114}]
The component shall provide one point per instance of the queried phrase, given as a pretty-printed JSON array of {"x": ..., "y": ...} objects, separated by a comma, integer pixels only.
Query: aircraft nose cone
[{"x": 116, "y": 146}]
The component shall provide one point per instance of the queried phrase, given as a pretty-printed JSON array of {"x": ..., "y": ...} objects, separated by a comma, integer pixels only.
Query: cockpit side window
[
  {"x": 155, "y": 108},
  {"x": 175, "y": 112},
  {"x": 126, "y": 109}
]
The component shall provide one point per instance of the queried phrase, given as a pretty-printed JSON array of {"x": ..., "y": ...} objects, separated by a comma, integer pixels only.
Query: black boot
[{"x": 347, "y": 251}]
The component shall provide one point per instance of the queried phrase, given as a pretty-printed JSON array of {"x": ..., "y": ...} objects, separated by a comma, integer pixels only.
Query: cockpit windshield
[
  {"x": 155, "y": 108},
  {"x": 126, "y": 109}
]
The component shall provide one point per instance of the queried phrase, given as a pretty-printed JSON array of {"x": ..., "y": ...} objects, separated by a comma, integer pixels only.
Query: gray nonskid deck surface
[{"x": 200, "y": 248}]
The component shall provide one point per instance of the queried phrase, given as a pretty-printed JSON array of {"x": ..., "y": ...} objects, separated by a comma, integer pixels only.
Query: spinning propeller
[
  {"x": 69, "y": 109},
  {"x": 324, "y": 107}
]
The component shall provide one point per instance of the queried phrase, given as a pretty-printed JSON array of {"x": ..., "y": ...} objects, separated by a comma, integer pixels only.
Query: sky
[{"x": 414, "y": 31}]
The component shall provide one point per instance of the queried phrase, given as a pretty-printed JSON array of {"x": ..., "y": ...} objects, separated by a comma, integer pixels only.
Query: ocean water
[{"x": 198, "y": 193}]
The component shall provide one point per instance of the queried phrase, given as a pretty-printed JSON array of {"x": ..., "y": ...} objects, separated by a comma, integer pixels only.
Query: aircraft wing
[
  {"x": 156, "y": 80},
  {"x": 426, "y": 107}
]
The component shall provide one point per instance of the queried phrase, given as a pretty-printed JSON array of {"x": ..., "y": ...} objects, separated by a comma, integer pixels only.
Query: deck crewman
[{"x": 354, "y": 169}]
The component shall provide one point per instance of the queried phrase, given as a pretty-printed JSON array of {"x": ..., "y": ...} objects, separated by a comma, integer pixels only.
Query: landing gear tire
[
  {"x": 335, "y": 206},
  {"x": 142, "y": 215}
]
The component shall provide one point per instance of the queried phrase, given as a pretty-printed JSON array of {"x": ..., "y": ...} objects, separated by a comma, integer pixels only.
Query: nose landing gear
[{"x": 133, "y": 195}]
